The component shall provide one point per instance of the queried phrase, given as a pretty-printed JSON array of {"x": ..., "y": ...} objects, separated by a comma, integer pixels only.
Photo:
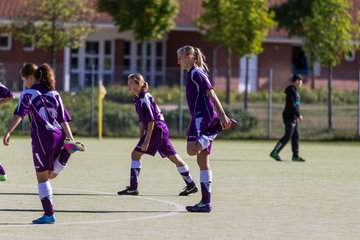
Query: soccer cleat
[
  {"x": 200, "y": 207},
  {"x": 128, "y": 191},
  {"x": 72, "y": 146},
  {"x": 188, "y": 190},
  {"x": 3, "y": 178},
  {"x": 45, "y": 220},
  {"x": 275, "y": 156},
  {"x": 233, "y": 122},
  {"x": 297, "y": 159}
]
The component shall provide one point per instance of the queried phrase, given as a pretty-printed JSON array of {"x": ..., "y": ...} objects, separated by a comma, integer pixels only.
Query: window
[
  {"x": 5, "y": 41},
  {"x": 350, "y": 57},
  {"x": 154, "y": 59},
  {"x": 29, "y": 46}
]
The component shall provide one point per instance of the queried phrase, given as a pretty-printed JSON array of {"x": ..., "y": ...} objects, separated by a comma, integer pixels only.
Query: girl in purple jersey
[
  {"x": 5, "y": 96},
  {"x": 49, "y": 127},
  {"x": 207, "y": 118},
  {"x": 154, "y": 137}
]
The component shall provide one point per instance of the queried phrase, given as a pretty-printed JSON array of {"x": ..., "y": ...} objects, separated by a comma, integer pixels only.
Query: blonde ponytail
[
  {"x": 139, "y": 80},
  {"x": 198, "y": 56}
]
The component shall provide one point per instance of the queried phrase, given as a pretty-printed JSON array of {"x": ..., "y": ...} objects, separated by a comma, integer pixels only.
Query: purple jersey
[
  {"x": 45, "y": 108},
  {"x": 46, "y": 113},
  {"x": 200, "y": 105},
  {"x": 147, "y": 111},
  {"x": 5, "y": 92}
]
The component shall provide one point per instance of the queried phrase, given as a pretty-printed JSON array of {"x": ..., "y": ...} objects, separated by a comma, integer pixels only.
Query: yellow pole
[{"x": 101, "y": 95}]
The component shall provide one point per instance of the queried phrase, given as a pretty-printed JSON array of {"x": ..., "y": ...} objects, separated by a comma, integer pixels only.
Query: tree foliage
[
  {"x": 329, "y": 32},
  {"x": 239, "y": 24},
  {"x": 147, "y": 18},
  {"x": 53, "y": 24},
  {"x": 291, "y": 15}
]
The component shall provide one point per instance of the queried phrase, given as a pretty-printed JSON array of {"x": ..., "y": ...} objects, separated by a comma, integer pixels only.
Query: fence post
[
  {"x": 181, "y": 101},
  {"x": 270, "y": 103}
]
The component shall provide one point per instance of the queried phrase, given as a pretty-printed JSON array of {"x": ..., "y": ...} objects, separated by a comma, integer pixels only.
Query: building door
[{"x": 299, "y": 61}]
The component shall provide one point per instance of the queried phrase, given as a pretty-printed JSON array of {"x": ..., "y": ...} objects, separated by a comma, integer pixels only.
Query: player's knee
[
  {"x": 135, "y": 155},
  {"x": 52, "y": 175},
  {"x": 191, "y": 150}
]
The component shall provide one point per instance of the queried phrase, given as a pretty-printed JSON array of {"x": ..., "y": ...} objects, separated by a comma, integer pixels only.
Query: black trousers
[{"x": 291, "y": 132}]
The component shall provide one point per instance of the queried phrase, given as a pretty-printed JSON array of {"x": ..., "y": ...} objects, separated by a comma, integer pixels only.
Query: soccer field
[{"x": 253, "y": 197}]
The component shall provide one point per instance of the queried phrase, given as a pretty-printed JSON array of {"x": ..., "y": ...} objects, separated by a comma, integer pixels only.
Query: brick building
[{"x": 114, "y": 55}]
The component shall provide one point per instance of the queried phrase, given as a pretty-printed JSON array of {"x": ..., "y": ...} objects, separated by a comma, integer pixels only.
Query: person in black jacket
[{"x": 291, "y": 117}]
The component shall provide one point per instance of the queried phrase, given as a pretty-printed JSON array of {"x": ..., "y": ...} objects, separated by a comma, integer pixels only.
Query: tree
[
  {"x": 241, "y": 25},
  {"x": 329, "y": 34},
  {"x": 148, "y": 19},
  {"x": 53, "y": 24},
  {"x": 290, "y": 16}
]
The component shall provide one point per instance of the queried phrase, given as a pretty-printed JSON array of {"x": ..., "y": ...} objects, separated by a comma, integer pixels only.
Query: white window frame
[
  {"x": 100, "y": 72},
  {"x": 350, "y": 58},
  {"x": 8, "y": 47},
  {"x": 31, "y": 48},
  {"x": 134, "y": 57}
]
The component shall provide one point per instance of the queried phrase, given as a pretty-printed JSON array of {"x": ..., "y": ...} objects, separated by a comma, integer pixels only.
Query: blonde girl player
[
  {"x": 207, "y": 118},
  {"x": 5, "y": 96},
  {"x": 154, "y": 137},
  {"x": 49, "y": 127}
]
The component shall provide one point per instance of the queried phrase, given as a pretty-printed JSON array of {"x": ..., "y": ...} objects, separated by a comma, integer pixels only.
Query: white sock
[
  {"x": 45, "y": 190},
  {"x": 206, "y": 178},
  {"x": 58, "y": 167},
  {"x": 185, "y": 169},
  {"x": 135, "y": 164}
]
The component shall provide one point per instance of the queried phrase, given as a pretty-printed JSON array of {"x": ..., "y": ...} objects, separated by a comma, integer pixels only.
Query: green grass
[{"x": 253, "y": 197}]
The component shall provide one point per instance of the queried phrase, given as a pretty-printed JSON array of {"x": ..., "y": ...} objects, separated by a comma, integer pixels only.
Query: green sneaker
[
  {"x": 3, "y": 177},
  {"x": 275, "y": 156},
  {"x": 298, "y": 159}
]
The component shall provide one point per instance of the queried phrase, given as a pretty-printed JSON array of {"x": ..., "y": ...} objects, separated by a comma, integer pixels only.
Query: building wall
[
  {"x": 278, "y": 58},
  {"x": 14, "y": 59}
]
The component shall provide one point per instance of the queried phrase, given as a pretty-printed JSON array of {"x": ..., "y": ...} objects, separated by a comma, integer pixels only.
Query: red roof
[{"x": 189, "y": 10}]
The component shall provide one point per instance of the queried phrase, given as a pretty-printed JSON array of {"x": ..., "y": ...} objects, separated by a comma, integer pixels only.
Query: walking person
[
  {"x": 154, "y": 137},
  {"x": 5, "y": 96},
  {"x": 291, "y": 117},
  {"x": 207, "y": 118},
  {"x": 49, "y": 128}
]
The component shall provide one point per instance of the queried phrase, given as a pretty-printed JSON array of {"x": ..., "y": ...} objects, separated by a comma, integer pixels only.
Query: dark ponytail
[
  {"x": 28, "y": 70},
  {"x": 45, "y": 75}
]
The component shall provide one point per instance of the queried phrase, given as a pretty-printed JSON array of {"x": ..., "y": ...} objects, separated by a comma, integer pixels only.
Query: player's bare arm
[
  {"x": 225, "y": 121},
  {"x": 15, "y": 121},
  {"x": 150, "y": 128}
]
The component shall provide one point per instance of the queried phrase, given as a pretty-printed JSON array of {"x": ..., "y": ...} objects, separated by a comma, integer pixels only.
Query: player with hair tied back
[
  {"x": 5, "y": 96},
  {"x": 291, "y": 117},
  {"x": 49, "y": 128},
  {"x": 154, "y": 137},
  {"x": 207, "y": 118}
]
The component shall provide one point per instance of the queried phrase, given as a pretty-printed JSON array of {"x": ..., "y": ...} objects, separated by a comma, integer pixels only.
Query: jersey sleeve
[
  {"x": 202, "y": 80},
  {"x": 5, "y": 92},
  {"x": 146, "y": 107},
  {"x": 295, "y": 102},
  {"x": 24, "y": 105}
]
